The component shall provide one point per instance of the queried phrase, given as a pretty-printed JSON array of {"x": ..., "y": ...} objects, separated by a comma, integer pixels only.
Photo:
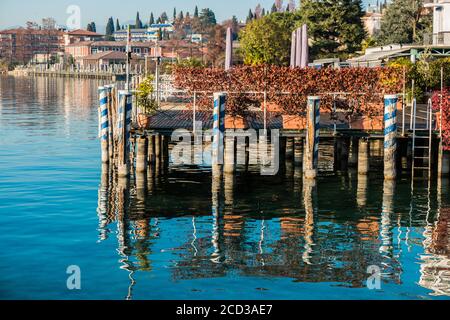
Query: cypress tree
[
  {"x": 196, "y": 12},
  {"x": 250, "y": 16},
  {"x": 138, "y": 24},
  {"x": 152, "y": 19},
  {"x": 117, "y": 25},
  {"x": 110, "y": 29},
  {"x": 274, "y": 9}
]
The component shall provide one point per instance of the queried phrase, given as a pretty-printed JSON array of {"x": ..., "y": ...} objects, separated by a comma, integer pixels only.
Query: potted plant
[{"x": 147, "y": 104}]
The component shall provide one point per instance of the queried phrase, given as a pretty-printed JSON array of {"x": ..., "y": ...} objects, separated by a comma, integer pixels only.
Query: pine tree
[
  {"x": 138, "y": 24},
  {"x": 89, "y": 27},
  {"x": 181, "y": 16},
  {"x": 93, "y": 27},
  {"x": 117, "y": 25},
  {"x": 196, "y": 12},
  {"x": 335, "y": 27},
  {"x": 152, "y": 19},
  {"x": 174, "y": 14},
  {"x": 263, "y": 13},
  {"x": 403, "y": 22}
]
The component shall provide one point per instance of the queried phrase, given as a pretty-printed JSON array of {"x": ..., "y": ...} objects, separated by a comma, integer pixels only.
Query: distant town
[{"x": 356, "y": 36}]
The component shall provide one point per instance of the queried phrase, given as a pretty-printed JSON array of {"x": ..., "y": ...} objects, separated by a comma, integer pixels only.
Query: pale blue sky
[{"x": 18, "y": 12}]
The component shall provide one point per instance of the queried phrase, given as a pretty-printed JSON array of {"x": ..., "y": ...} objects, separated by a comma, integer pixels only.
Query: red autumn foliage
[
  {"x": 363, "y": 87},
  {"x": 436, "y": 100}
]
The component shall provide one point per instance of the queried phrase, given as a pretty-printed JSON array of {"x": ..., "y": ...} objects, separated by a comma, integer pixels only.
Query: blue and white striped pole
[
  {"x": 124, "y": 128},
  {"x": 312, "y": 137},
  {"x": 104, "y": 123},
  {"x": 218, "y": 128},
  {"x": 390, "y": 133}
]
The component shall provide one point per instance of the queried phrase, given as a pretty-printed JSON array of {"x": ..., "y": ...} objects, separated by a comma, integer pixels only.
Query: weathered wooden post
[
  {"x": 104, "y": 123},
  {"x": 125, "y": 108},
  {"x": 151, "y": 149},
  {"x": 158, "y": 147},
  {"x": 353, "y": 158},
  {"x": 298, "y": 151},
  {"x": 218, "y": 132},
  {"x": 363, "y": 156},
  {"x": 390, "y": 139},
  {"x": 142, "y": 155},
  {"x": 311, "y": 158},
  {"x": 290, "y": 145},
  {"x": 443, "y": 161},
  {"x": 229, "y": 163}
]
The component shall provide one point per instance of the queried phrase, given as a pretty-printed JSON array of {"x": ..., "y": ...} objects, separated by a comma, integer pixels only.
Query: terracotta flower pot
[
  {"x": 375, "y": 123},
  {"x": 143, "y": 120},
  {"x": 291, "y": 122},
  {"x": 235, "y": 122},
  {"x": 271, "y": 107}
]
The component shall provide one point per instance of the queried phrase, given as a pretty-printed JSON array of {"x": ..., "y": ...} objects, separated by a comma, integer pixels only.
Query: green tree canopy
[
  {"x": 268, "y": 40},
  {"x": 404, "y": 22},
  {"x": 196, "y": 12},
  {"x": 335, "y": 27}
]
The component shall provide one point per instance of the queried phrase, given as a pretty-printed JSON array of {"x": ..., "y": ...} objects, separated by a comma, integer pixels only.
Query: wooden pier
[{"x": 135, "y": 151}]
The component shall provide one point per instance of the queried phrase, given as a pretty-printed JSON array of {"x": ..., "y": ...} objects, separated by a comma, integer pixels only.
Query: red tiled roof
[
  {"x": 81, "y": 32},
  {"x": 116, "y": 55}
]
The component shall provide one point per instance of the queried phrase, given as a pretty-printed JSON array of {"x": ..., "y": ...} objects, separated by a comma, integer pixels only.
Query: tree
[
  {"x": 196, "y": 12},
  {"x": 152, "y": 19},
  {"x": 138, "y": 24},
  {"x": 164, "y": 18},
  {"x": 117, "y": 25},
  {"x": 109, "y": 29},
  {"x": 181, "y": 16},
  {"x": 335, "y": 27},
  {"x": 268, "y": 40},
  {"x": 89, "y": 27},
  {"x": 207, "y": 18},
  {"x": 250, "y": 16},
  {"x": 273, "y": 9},
  {"x": 93, "y": 27},
  {"x": 174, "y": 14},
  {"x": 404, "y": 22}
]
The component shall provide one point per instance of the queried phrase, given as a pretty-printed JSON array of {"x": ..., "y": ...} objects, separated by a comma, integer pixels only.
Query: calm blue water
[{"x": 257, "y": 238}]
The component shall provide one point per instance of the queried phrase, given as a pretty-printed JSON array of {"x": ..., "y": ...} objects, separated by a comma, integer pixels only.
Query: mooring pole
[
  {"x": 363, "y": 156},
  {"x": 125, "y": 109},
  {"x": 312, "y": 137},
  {"x": 104, "y": 123},
  {"x": 218, "y": 130},
  {"x": 390, "y": 139}
]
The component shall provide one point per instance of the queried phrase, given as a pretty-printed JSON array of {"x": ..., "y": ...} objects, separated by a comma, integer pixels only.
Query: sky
[{"x": 18, "y": 12}]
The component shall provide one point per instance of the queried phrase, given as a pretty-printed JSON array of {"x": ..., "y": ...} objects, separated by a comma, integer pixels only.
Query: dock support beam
[
  {"x": 229, "y": 164},
  {"x": 104, "y": 123},
  {"x": 298, "y": 151},
  {"x": 353, "y": 158},
  {"x": 390, "y": 140},
  {"x": 290, "y": 145},
  {"x": 312, "y": 138}
]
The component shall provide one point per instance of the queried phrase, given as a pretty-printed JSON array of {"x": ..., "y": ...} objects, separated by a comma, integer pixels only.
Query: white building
[{"x": 441, "y": 21}]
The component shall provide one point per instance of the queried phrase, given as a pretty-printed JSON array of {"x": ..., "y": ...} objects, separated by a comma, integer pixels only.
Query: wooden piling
[
  {"x": 158, "y": 147},
  {"x": 443, "y": 162},
  {"x": 298, "y": 151},
  {"x": 229, "y": 163},
  {"x": 151, "y": 150},
  {"x": 353, "y": 158},
  {"x": 363, "y": 156},
  {"x": 290, "y": 144},
  {"x": 104, "y": 123},
  {"x": 312, "y": 138},
  {"x": 142, "y": 155},
  {"x": 124, "y": 132}
]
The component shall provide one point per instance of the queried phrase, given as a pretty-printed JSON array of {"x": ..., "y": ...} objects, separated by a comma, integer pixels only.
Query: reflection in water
[{"x": 257, "y": 230}]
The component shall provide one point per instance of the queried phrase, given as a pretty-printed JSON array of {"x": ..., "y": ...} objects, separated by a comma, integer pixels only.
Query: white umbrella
[
  {"x": 229, "y": 50},
  {"x": 293, "y": 48},
  {"x": 304, "y": 45}
]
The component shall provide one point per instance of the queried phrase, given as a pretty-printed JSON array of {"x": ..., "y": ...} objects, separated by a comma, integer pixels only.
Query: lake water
[{"x": 182, "y": 237}]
